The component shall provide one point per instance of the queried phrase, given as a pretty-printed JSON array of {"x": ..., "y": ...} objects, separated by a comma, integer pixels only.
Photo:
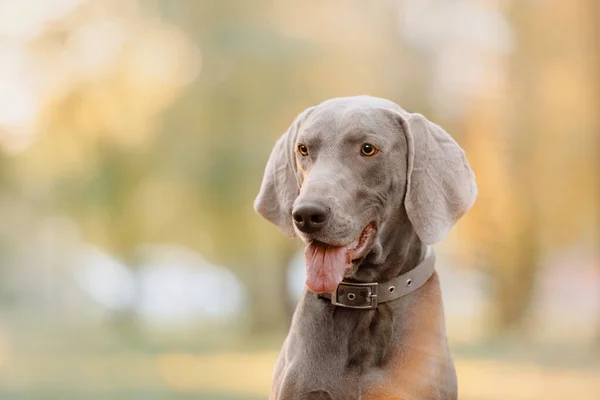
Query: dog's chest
[
  {"x": 305, "y": 380},
  {"x": 326, "y": 359}
]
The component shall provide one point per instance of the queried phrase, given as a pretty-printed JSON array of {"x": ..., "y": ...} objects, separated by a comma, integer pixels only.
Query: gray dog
[{"x": 368, "y": 187}]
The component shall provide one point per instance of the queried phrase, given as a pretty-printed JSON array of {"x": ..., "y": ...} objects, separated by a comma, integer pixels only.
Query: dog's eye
[
  {"x": 302, "y": 149},
  {"x": 368, "y": 150}
]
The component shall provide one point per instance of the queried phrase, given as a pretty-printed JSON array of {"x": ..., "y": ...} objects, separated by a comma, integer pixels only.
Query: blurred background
[{"x": 133, "y": 138}]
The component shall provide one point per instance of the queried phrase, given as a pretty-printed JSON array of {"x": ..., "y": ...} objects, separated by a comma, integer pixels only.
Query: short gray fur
[{"x": 415, "y": 190}]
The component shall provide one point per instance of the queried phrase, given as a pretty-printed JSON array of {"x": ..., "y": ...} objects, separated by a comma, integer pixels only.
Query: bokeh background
[{"x": 133, "y": 137}]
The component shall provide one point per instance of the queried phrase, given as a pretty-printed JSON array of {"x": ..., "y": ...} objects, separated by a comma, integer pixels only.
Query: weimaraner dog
[{"x": 368, "y": 187}]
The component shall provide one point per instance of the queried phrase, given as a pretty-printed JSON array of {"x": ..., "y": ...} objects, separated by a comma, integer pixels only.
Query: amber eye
[
  {"x": 303, "y": 150},
  {"x": 368, "y": 150}
]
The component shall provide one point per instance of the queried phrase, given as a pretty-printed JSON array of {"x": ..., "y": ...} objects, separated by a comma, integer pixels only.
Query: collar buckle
[{"x": 361, "y": 296}]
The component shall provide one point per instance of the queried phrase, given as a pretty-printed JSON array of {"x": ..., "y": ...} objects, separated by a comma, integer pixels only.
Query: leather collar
[{"x": 367, "y": 296}]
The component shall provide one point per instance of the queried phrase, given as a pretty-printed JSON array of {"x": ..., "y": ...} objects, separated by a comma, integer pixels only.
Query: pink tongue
[{"x": 325, "y": 267}]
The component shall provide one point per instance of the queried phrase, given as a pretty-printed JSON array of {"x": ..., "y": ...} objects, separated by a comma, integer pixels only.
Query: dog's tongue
[{"x": 325, "y": 266}]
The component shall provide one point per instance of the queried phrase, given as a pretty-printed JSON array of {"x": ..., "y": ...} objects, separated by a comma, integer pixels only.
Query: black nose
[{"x": 310, "y": 217}]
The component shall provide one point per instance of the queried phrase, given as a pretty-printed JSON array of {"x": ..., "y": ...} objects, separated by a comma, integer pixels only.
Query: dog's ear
[
  {"x": 440, "y": 185},
  {"x": 281, "y": 183}
]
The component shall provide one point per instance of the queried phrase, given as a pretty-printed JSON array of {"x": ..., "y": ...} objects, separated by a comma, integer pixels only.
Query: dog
[{"x": 369, "y": 187}]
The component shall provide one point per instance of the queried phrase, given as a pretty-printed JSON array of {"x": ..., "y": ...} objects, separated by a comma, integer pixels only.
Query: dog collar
[{"x": 367, "y": 296}]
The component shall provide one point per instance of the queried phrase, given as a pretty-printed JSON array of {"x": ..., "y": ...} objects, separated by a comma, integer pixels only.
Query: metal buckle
[{"x": 372, "y": 295}]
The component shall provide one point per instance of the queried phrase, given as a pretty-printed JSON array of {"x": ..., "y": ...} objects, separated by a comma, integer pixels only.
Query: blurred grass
[
  {"x": 246, "y": 375},
  {"x": 48, "y": 361}
]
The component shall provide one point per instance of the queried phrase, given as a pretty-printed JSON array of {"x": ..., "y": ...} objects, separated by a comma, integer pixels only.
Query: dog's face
[
  {"x": 351, "y": 166},
  {"x": 346, "y": 166}
]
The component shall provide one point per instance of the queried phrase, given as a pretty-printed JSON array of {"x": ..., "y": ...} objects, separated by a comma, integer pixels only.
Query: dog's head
[{"x": 345, "y": 167}]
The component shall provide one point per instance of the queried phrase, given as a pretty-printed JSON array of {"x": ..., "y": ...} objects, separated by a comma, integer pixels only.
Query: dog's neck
[
  {"x": 403, "y": 251},
  {"x": 383, "y": 325}
]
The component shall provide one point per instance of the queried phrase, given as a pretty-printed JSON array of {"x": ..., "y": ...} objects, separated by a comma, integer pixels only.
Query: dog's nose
[{"x": 310, "y": 217}]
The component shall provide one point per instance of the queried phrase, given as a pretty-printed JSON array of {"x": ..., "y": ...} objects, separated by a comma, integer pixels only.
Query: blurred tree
[
  {"x": 127, "y": 179},
  {"x": 134, "y": 159},
  {"x": 538, "y": 147},
  {"x": 594, "y": 15}
]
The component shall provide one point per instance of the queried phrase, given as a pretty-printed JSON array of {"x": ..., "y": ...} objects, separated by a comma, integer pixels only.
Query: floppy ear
[
  {"x": 280, "y": 185},
  {"x": 440, "y": 185}
]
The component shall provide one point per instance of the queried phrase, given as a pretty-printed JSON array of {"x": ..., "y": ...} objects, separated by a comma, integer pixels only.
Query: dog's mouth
[{"x": 326, "y": 264}]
